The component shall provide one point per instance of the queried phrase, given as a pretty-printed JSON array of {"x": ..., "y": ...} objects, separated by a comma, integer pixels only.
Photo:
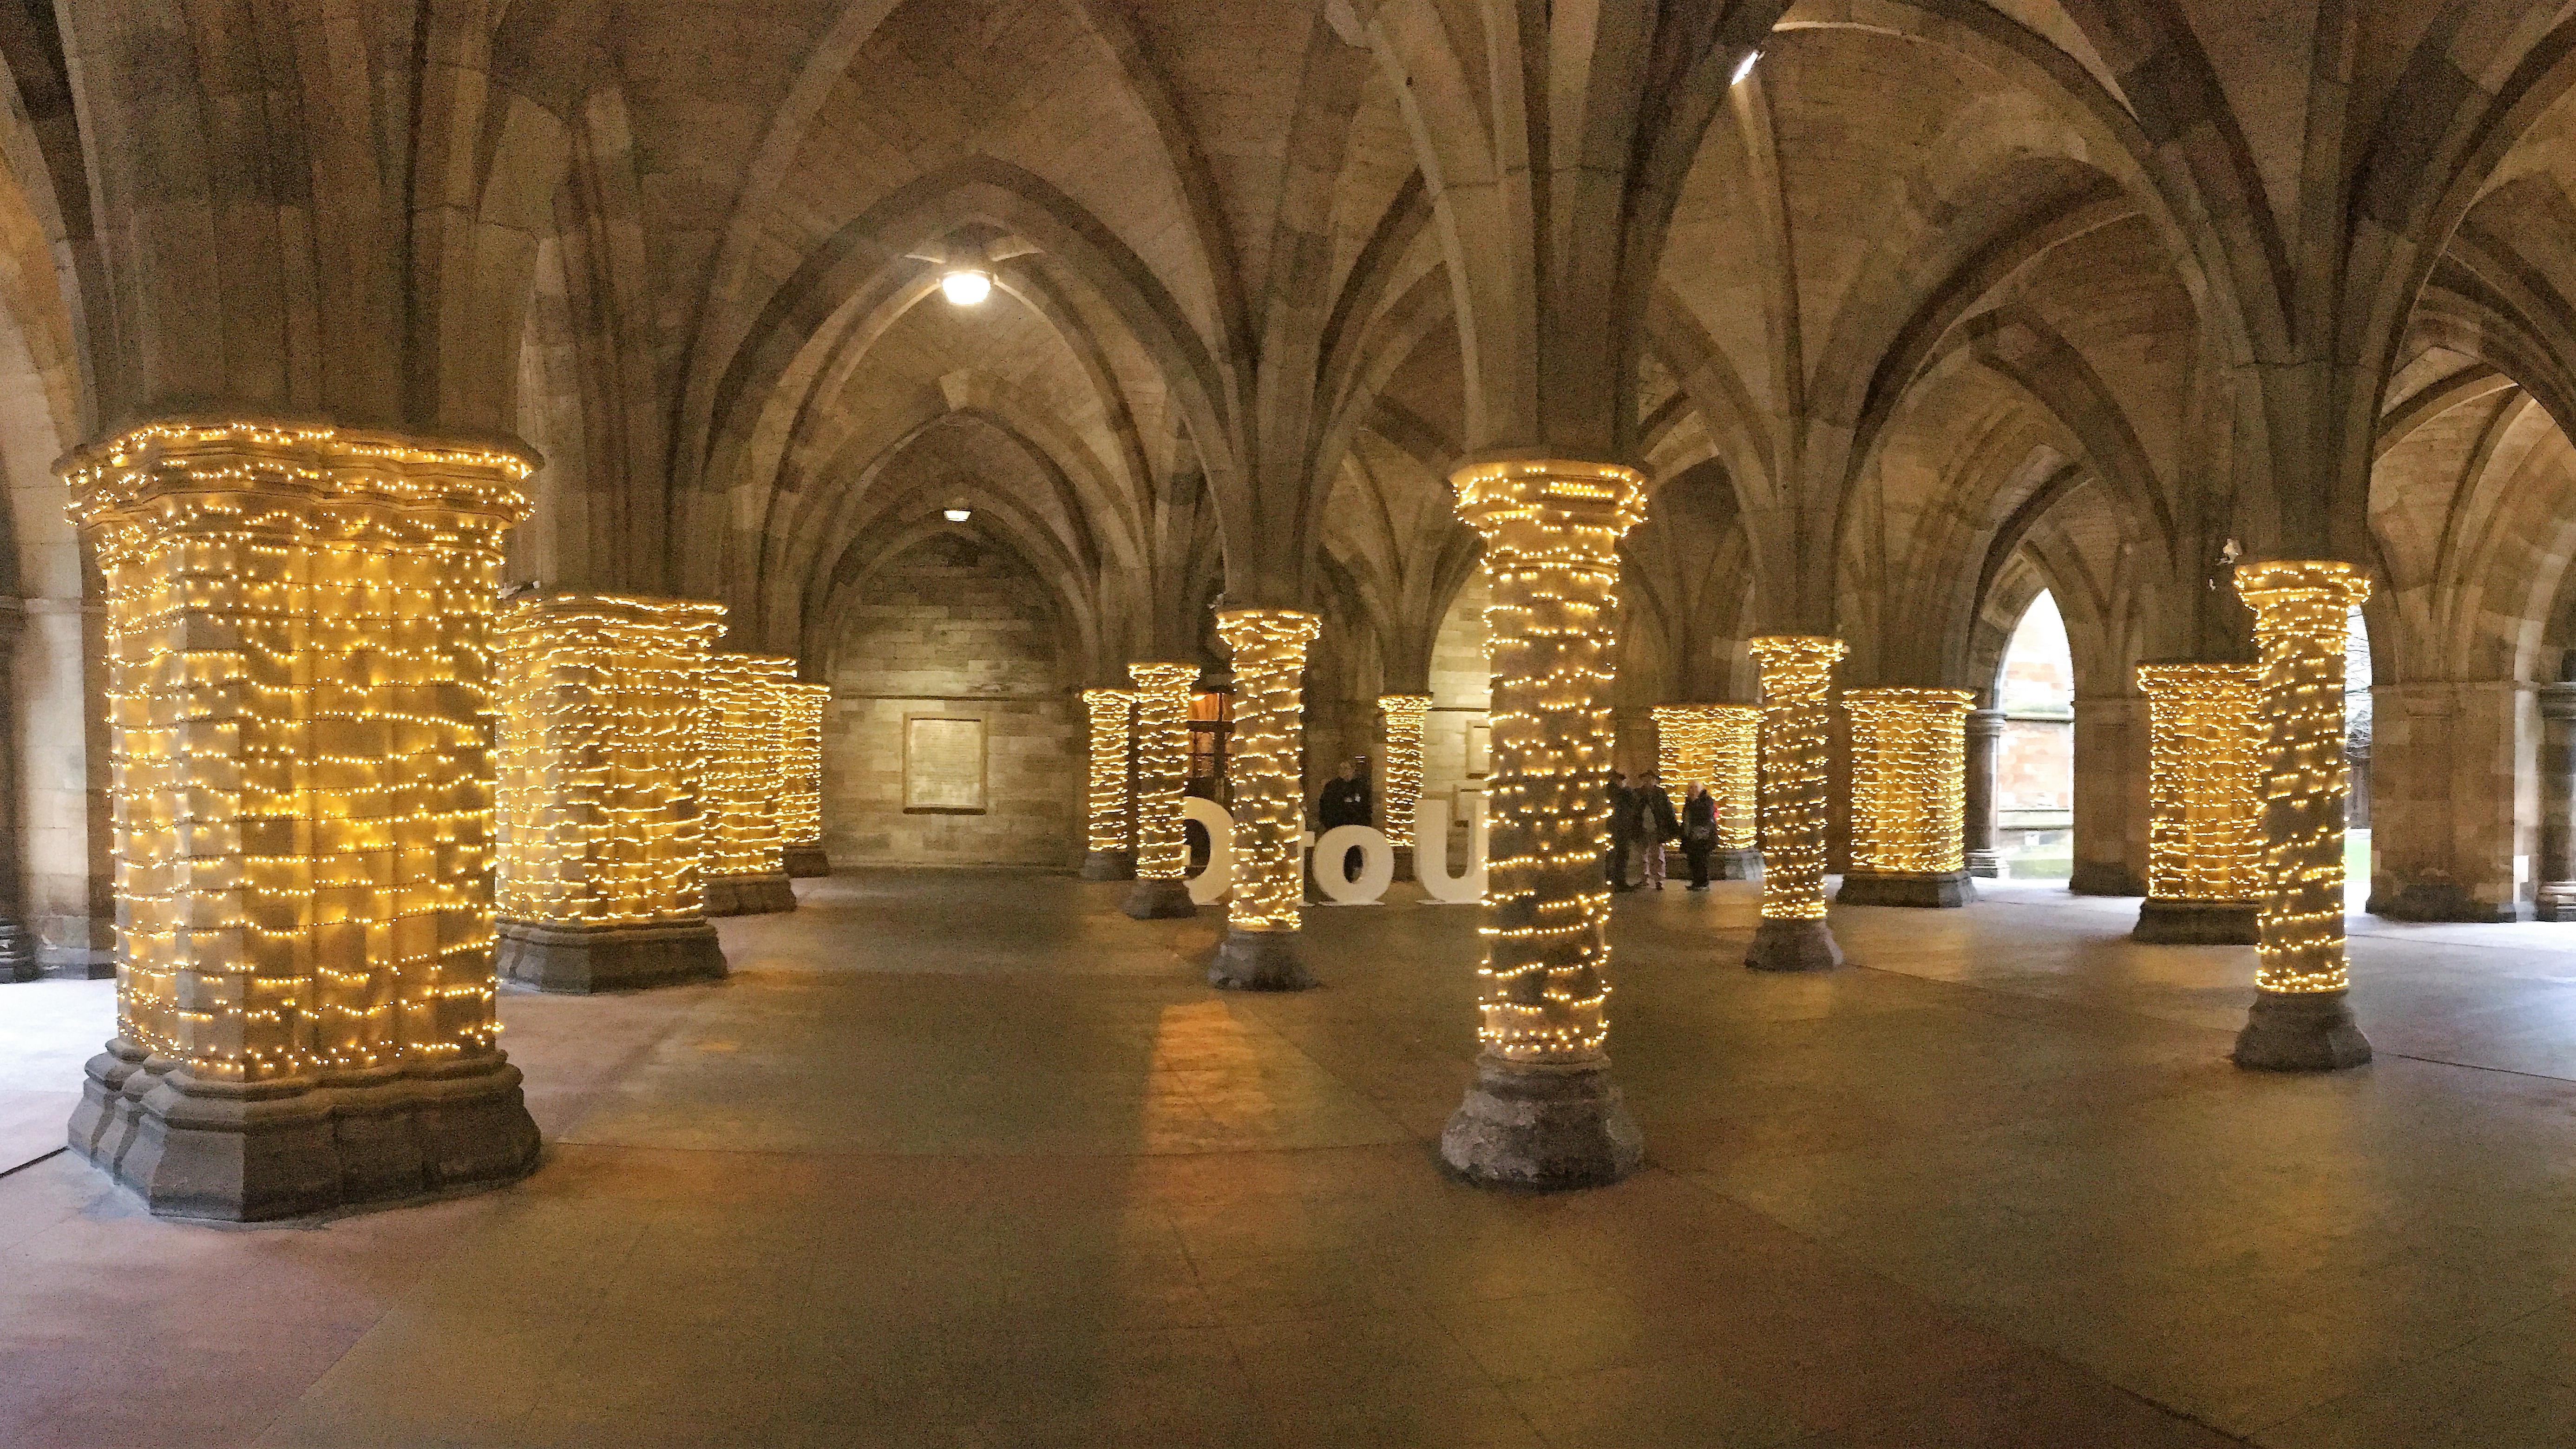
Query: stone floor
[{"x": 970, "y": 1160}]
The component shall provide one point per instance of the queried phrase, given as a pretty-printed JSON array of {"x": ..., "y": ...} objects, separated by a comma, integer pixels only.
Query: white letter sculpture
[
  {"x": 1377, "y": 865},
  {"x": 1212, "y": 882},
  {"x": 1431, "y": 854}
]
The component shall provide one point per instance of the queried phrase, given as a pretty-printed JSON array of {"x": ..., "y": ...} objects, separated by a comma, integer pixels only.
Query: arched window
[{"x": 2035, "y": 759}]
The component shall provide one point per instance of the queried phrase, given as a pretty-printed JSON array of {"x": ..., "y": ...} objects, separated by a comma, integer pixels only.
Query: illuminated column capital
[
  {"x": 598, "y": 790},
  {"x": 1797, "y": 682},
  {"x": 1162, "y": 751},
  {"x": 299, "y": 633},
  {"x": 1908, "y": 782},
  {"x": 1543, "y": 1111},
  {"x": 1109, "y": 823},
  {"x": 2302, "y": 610},
  {"x": 1264, "y": 769}
]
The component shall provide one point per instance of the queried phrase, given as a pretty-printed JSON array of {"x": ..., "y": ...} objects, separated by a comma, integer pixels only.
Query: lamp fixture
[
  {"x": 1744, "y": 67},
  {"x": 957, "y": 514},
  {"x": 966, "y": 287}
]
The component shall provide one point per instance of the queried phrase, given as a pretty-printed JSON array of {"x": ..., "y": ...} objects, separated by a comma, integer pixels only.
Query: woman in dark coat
[{"x": 1699, "y": 832}]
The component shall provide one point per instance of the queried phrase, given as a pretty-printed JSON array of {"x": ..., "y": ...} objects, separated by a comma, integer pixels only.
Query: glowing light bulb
[
  {"x": 966, "y": 287},
  {"x": 957, "y": 515},
  {"x": 1744, "y": 67}
]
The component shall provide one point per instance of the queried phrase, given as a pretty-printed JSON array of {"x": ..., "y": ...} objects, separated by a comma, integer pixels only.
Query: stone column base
[
  {"x": 1159, "y": 900},
  {"x": 1735, "y": 865},
  {"x": 1109, "y": 865},
  {"x": 17, "y": 953},
  {"x": 2105, "y": 878},
  {"x": 258, "y": 1151},
  {"x": 1928, "y": 889},
  {"x": 1988, "y": 864},
  {"x": 2167, "y": 922},
  {"x": 1403, "y": 861},
  {"x": 1541, "y": 1125},
  {"x": 1260, "y": 961},
  {"x": 2440, "y": 900},
  {"x": 805, "y": 862},
  {"x": 749, "y": 895},
  {"x": 1794, "y": 946},
  {"x": 2557, "y": 902},
  {"x": 2300, "y": 1031},
  {"x": 607, "y": 958}
]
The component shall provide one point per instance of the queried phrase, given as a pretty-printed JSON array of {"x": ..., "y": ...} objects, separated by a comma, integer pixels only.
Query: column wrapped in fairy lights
[
  {"x": 1162, "y": 750},
  {"x": 1110, "y": 821},
  {"x": 2300, "y": 1021},
  {"x": 1405, "y": 716},
  {"x": 1736, "y": 747},
  {"x": 298, "y": 624},
  {"x": 1543, "y": 1110},
  {"x": 800, "y": 802},
  {"x": 746, "y": 866},
  {"x": 1909, "y": 766},
  {"x": 598, "y": 768},
  {"x": 2204, "y": 772},
  {"x": 1797, "y": 675},
  {"x": 1685, "y": 745},
  {"x": 1266, "y": 776}
]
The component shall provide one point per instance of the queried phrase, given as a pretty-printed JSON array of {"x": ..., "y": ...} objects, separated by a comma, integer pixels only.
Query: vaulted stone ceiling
[{"x": 1939, "y": 294}]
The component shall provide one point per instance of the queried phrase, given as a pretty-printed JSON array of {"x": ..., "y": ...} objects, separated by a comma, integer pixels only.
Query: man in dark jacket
[
  {"x": 1623, "y": 830},
  {"x": 1656, "y": 824},
  {"x": 1347, "y": 800}
]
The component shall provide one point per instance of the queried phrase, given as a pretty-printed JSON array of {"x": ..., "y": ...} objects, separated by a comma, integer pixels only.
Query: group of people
[{"x": 1643, "y": 821}]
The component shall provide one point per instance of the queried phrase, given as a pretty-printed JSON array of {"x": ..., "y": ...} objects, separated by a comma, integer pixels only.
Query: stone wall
[
  {"x": 953, "y": 628},
  {"x": 2456, "y": 801}
]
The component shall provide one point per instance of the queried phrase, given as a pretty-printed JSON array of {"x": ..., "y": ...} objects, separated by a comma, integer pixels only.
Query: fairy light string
[
  {"x": 599, "y": 757},
  {"x": 1263, "y": 764},
  {"x": 1109, "y": 823},
  {"x": 298, "y": 630},
  {"x": 1404, "y": 716},
  {"x": 1735, "y": 748},
  {"x": 1909, "y": 779},
  {"x": 2301, "y": 613},
  {"x": 2204, "y": 775},
  {"x": 1797, "y": 674},
  {"x": 742, "y": 775},
  {"x": 1551, "y": 533},
  {"x": 800, "y": 732},
  {"x": 1162, "y": 746}
]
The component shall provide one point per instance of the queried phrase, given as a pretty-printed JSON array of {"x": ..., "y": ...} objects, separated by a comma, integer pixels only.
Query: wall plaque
[{"x": 943, "y": 765}]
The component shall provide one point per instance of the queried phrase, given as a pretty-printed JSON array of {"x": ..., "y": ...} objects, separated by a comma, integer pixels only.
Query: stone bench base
[
  {"x": 1925, "y": 890},
  {"x": 607, "y": 958}
]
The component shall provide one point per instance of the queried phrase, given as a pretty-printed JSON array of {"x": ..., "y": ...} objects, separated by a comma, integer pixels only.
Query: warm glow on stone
[
  {"x": 1797, "y": 674},
  {"x": 1908, "y": 779},
  {"x": 1263, "y": 764},
  {"x": 2204, "y": 772}
]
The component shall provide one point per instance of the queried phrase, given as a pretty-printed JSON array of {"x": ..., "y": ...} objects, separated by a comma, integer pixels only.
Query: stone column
[
  {"x": 1797, "y": 674},
  {"x": 2112, "y": 817},
  {"x": 2557, "y": 865},
  {"x": 739, "y": 739},
  {"x": 1682, "y": 743},
  {"x": 17, "y": 945},
  {"x": 299, "y": 635},
  {"x": 1162, "y": 754},
  {"x": 1400, "y": 788},
  {"x": 1909, "y": 767},
  {"x": 1543, "y": 1111},
  {"x": 1735, "y": 746},
  {"x": 1109, "y": 823},
  {"x": 800, "y": 802},
  {"x": 1266, "y": 772},
  {"x": 2203, "y": 767},
  {"x": 599, "y": 829},
  {"x": 1984, "y": 736},
  {"x": 2453, "y": 827},
  {"x": 2300, "y": 1021}
]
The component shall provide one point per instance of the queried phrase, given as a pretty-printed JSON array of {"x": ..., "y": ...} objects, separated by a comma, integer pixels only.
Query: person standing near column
[
  {"x": 1623, "y": 830},
  {"x": 1655, "y": 826},
  {"x": 1699, "y": 832},
  {"x": 1346, "y": 801}
]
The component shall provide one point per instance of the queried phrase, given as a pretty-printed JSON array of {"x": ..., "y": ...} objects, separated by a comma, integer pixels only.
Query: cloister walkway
[{"x": 969, "y": 1159}]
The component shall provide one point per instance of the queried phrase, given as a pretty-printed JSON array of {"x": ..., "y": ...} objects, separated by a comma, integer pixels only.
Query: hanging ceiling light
[
  {"x": 1744, "y": 67},
  {"x": 957, "y": 514},
  {"x": 966, "y": 287}
]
